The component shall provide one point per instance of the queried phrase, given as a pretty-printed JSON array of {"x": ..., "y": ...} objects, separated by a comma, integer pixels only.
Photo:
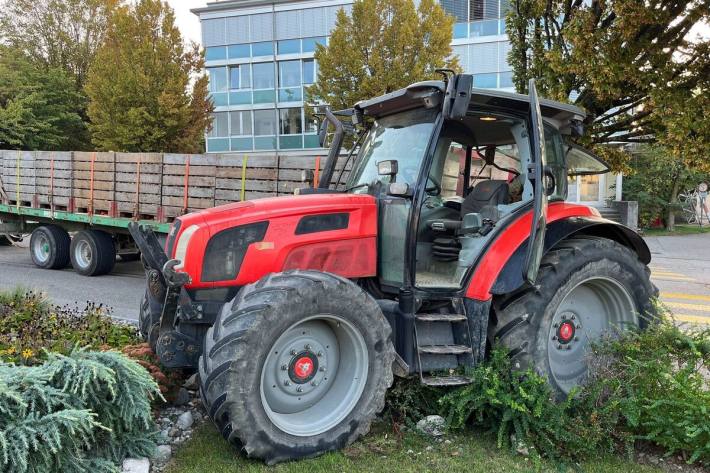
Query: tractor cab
[{"x": 449, "y": 169}]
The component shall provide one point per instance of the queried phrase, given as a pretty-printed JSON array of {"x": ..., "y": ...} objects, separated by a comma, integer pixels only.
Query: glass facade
[{"x": 260, "y": 62}]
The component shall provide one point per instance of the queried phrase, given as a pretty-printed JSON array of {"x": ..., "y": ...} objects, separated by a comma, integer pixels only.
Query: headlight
[
  {"x": 183, "y": 241},
  {"x": 225, "y": 251}
]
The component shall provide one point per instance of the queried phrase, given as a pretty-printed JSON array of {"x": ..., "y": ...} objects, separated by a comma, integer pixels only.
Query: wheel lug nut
[
  {"x": 320, "y": 353},
  {"x": 576, "y": 339},
  {"x": 299, "y": 389},
  {"x": 564, "y": 317},
  {"x": 293, "y": 352},
  {"x": 313, "y": 383},
  {"x": 571, "y": 317},
  {"x": 284, "y": 367},
  {"x": 569, "y": 347},
  {"x": 322, "y": 368},
  {"x": 559, "y": 346},
  {"x": 287, "y": 383},
  {"x": 307, "y": 347},
  {"x": 554, "y": 337},
  {"x": 579, "y": 326},
  {"x": 555, "y": 325}
]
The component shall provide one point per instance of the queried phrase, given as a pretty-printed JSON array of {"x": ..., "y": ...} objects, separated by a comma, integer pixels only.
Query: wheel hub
[
  {"x": 303, "y": 367},
  {"x": 565, "y": 332}
]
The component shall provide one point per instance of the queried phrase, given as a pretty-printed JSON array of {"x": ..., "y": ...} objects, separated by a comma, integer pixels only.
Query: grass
[
  {"x": 382, "y": 451},
  {"x": 679, "y": 230}
]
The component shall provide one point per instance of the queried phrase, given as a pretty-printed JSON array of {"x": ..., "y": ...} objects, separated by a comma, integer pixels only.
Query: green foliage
[
  {"x": 408, "y": 400},
  {"x": 39, "y": 107},
  {"x": 139, "y": 85},
  {"x": 381, "y": 47},
  {"x": 645, "y": 386},
  {"x": 657, "y": 179},
  {"x": 29, "y": 325},
  {"x": 636, "y": 70},
  {"x": 56, "y": 34},
  {"x": 79, "y": 413}
]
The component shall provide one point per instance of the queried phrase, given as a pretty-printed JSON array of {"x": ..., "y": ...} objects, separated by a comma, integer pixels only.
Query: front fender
[{"x": 510, "y": 277}]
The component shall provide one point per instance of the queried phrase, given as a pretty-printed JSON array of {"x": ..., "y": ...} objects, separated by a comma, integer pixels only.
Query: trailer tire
[
  {"x": 93, "y": 253},
  {"x": 252, "y": 394},
  {"x": 548, "y": 327},
  {"x": 49, "y": 247}
]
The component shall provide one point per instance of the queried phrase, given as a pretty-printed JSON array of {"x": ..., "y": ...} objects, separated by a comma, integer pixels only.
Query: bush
[
  {"x": 169, "y": 381},
  {"x": 29, "y": 325},
  {"x": 79, "y": 413},
  {"x": 649, "y": 386}
]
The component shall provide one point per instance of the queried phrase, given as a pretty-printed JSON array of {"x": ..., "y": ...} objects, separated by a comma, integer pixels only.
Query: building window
[
  {"x": 218, "y": 79},
  {"x": 290, "y": 121},
  {"x": 265, "y": 122},
  {"x": 289, "y": 46},
  {"x": 239, "y": 77},
  {"x": 309, "y": 44},
  {"x": 289, "y": 73},
  {"x": 506, "y": 80},
  {"x": 240, "y": 123},
  {"x": 216, "y": 53},
  {"x": 310, "y": 121},
  {"x": 262, "y": 49},
  {"x": 485, "y": 81},
  {"x": 239, "y": 51},
  {"x": 220, "y": 125},
  {"x": 309, "y": 71},
  {"x": 263, "y": 75}
]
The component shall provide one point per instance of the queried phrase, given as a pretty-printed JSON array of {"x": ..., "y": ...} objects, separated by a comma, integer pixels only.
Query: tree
[
  {"x": 620, "y": 60},
  {"x": 38, "y": 106},
  {"x": 382, "y": 46},
  {"x": 57, "y": 33},
  {"x": 139, "y": 86}
]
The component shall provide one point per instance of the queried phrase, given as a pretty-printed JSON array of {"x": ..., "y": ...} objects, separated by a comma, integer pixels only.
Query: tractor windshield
[{"x": 403, "y": 137}]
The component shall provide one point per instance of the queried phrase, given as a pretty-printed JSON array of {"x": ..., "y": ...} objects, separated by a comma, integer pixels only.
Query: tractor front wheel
[
  {"x": 586, "y": 287},
  {"x": 296, "y": 365}
]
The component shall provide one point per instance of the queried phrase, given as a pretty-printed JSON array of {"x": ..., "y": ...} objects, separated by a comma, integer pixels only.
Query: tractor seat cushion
[{"x": 494, "y": 192}]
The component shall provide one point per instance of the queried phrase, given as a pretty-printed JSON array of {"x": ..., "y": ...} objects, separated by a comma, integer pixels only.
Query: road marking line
[
  {"x": 673, "y": 278},
  {"x": 690, "y": 297},
  {"x": 668, "y": 273},
  {"x": 683, "y": 305},
  {"x": 695, "y": 319}
]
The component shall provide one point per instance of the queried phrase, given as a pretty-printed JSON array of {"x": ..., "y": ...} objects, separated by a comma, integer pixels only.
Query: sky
[{"x": 188, "y": 23}]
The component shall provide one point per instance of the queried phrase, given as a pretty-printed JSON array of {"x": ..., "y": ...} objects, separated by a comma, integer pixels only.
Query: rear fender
[
  {"x": 510, "y": 277},
  {"x": 500, "y": 269}
]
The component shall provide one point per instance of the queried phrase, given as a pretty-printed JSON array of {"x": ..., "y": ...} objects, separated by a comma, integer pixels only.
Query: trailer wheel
[
  {"x": 586, "y": 287},
  {"x": 296, "y": 365},
  {"x": 49, "y": 247},
  {"x": 93, "y": 253}
]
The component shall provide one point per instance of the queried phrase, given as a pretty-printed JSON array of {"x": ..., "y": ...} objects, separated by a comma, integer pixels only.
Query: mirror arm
[{"x": 334, "y": 151}]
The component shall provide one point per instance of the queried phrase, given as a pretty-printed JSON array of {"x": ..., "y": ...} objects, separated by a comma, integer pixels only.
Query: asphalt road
[
  {"x": 121, "y": 290},
  {"x": 680, "y": 268}
]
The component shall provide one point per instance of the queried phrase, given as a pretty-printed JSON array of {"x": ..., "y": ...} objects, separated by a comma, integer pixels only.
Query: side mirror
[
  {"x": 387, "y": 168},
  {"x": 472, "y": 222},
  {"x": 400, "y": 189}
]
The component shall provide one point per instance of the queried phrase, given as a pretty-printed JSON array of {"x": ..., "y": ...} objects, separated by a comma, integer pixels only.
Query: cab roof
[{"x": 430, "y": 94}]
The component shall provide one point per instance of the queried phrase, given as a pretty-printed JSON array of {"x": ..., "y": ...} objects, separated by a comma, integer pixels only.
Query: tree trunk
[{"x": 670, "y": 221}]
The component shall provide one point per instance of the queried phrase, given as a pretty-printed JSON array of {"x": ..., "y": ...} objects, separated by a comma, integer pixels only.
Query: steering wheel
[{"x": 435, "y": 189}]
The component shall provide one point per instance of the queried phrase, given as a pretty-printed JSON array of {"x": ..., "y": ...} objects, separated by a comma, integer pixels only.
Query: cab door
[{"x": 537, "y": 177}]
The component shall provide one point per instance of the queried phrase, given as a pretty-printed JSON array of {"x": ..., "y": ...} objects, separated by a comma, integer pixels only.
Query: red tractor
[{"x": 452, "y": 233}]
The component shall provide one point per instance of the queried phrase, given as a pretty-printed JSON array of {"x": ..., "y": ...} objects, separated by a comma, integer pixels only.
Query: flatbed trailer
[{"x": 78, "y": 205}]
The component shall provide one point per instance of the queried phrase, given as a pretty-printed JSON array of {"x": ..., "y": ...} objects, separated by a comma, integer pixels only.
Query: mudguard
[{"x": 510, "y": 277}]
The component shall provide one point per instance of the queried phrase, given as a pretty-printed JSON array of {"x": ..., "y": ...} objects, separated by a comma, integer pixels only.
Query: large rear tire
[
  {"x": 49, "y": 247},
  {"x": 586, "y": 287},
  {"x": 93, "y": 253},
  {"x": 296, "y": 365}
]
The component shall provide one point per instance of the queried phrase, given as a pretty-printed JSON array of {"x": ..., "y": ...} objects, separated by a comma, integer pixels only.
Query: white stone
[
  {"x": 136, "y": 465},
  {"x": 191, "y": 382},
  {"x": 432, "y": 425},
  {"x": 185, "y": 420},
  {"x": 163, "y": 453}
]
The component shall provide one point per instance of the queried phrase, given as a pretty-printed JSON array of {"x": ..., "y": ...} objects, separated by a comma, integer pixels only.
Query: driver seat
[{"x": 484, "y": 199}]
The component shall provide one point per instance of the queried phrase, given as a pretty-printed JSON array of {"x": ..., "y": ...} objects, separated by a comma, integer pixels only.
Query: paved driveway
[{"x": 680, "y": 267}]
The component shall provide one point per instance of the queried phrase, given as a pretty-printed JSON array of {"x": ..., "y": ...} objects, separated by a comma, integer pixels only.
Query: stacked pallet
[{"x": 149, "y": 186}]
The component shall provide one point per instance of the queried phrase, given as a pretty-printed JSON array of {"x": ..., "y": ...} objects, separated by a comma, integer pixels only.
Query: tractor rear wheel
[
  {"x": 586, "y": 287},
  {"x": 296, "y": 365}
]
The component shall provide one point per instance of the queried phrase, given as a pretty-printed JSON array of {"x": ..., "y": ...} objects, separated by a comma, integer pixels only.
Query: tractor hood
[{"x": 238, "y": 243}]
